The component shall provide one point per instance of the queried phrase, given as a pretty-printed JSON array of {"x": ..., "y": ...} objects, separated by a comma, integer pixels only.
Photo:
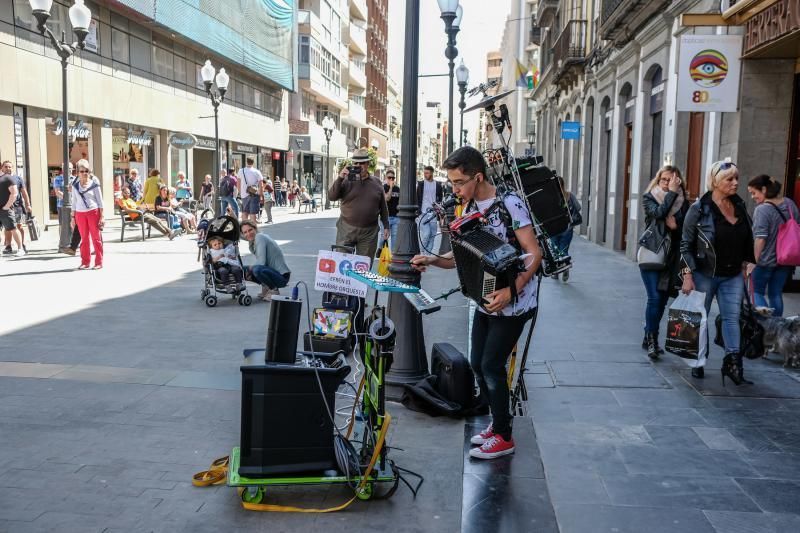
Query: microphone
[{"x": 451, "y": 200}]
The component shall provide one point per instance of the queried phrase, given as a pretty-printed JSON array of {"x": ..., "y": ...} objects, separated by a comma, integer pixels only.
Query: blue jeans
[
  {"x": 729, "y": 293},
  {"x": 393, "y": 221},
  {"x": 427, "y": 236},
  {"x": 562, "y": 241},
  {"x": 268, "y": 276},
  {"x": 770, "y": 280},
  {"x": 226, "y": 201},
  {"x": 656, "y": 300}
]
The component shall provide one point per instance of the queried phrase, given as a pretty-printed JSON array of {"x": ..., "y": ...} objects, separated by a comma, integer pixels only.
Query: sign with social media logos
[{"x": 331, "y": 273}]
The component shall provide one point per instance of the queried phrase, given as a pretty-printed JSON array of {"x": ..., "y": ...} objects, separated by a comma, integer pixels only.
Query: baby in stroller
[{"x": 224, "y": 260}]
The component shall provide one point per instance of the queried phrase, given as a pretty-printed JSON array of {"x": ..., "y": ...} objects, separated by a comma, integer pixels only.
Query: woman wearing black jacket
[
  {"x": 717, "y": 248},
  {"x": 664, "y": 203}
]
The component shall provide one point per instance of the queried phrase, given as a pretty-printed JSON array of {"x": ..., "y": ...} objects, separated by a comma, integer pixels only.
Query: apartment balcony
[
  {"x": 356, "y": 114},
  {"x": 357, "y": 38},
  {"x": 569, "y": 53},
  {"x": 545, "y": 10},
  {"x": 358, "y": 9},
  {"x": 324, "y": 89},
  {"x": 620, "y": 20},
  {"x": 309, "y": 23},
  {"x": 358, "y": 74}
]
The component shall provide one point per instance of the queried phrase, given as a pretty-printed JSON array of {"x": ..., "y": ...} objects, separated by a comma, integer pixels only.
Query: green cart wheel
[
  {"x": 365, "y": 493},
  {"x": 253, "y": 494}
]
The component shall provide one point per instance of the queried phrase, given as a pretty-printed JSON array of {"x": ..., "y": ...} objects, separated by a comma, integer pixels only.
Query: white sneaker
[{"x": 20, "y": 253}]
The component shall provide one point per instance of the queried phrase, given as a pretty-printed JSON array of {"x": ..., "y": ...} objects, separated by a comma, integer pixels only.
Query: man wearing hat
[
  {"x": 362, "y": 203},
  {"x": 392, "y": 193}
]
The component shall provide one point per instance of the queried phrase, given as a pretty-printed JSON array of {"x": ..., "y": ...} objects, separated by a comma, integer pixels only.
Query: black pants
[{"x": 493, "y": 338}]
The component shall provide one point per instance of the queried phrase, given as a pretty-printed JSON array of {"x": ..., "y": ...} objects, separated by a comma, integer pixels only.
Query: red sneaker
[
  {"x": 494, "y": 447},
  {"x": 483, "y": 436}
]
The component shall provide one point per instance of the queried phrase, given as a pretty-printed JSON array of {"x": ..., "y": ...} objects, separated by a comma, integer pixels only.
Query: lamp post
[
  {"x": 531, "y": 141},
  {"x": 462, "y": 75},
  {"x": 451, "y": 14},
  {"x": 410, "y": 360},
  {"x": 328, "y": 125},
  {"x": 217, "y": 96},
  {"x": 80, "y": 17}
]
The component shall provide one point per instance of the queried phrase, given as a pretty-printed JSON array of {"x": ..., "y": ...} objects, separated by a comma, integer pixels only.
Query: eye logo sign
[{"x": 709, "y": 68}]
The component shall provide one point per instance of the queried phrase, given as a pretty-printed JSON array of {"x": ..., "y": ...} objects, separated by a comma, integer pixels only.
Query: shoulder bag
[
  {"x": 787, "y": 247},
  {"x": 654, "y": 246}
]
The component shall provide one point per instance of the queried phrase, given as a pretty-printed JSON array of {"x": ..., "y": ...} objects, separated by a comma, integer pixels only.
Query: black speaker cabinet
[
  {"x": 546, "y": 199},
  {"x": 285, "y": 426},
  {"x": 283, "y": 329}
]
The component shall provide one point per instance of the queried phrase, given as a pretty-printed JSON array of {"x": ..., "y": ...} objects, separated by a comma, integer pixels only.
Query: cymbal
[{"x": 489, "y": 100}]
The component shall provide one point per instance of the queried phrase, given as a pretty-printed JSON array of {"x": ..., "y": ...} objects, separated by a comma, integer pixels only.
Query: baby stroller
[{"x": 226, "y": 228}]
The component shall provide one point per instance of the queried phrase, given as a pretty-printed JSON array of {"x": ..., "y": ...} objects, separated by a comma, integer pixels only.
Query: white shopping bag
[{"x": 687, "y": 329}]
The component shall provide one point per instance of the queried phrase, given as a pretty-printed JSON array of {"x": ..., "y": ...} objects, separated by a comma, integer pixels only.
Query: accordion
[{"x": 484, "y": 262}]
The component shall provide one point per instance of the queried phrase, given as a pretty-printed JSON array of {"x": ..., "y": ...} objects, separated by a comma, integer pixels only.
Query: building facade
[
  {"x": 494, "y": 75},
  {"x": 376, "y": 133},
  {"x": 613, "y": 67},
  {"x": 394, "y": 111},
  {"x": 136, "y": 87}
]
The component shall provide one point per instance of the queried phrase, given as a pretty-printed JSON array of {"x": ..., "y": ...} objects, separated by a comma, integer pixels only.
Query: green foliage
[{"x": 373, "y": 162}]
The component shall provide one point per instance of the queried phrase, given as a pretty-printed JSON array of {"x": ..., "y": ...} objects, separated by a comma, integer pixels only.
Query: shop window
[
  {"x": 120, "y": 46},
  {"x": 140, "y": 54}
]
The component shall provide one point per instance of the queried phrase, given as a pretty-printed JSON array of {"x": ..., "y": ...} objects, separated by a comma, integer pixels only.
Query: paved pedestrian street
[{"x": 117, "y": 385}]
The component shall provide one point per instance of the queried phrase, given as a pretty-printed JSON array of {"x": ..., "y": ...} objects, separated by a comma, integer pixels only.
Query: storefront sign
[
  {"x": 140, "y": 139},
  {"x": 76, "y": 131},
  {"x": 571, "y": 131},
  {"x": 300, "y": 142},
  {"x": 245, "y": 148},
  {"x": 708, "y": 73},
  {"x": 19, "y": 140},
  {"x": 779, "y": 19},
  {"x": 202, "y": 142},
  {"x": 183, "y": 141},
  {"x": 331, "y": 275}
]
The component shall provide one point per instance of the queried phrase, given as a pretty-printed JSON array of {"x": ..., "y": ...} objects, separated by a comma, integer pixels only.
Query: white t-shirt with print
[
  {"x": 248, "y": 176},
  {"x": 520, "y": 218}
]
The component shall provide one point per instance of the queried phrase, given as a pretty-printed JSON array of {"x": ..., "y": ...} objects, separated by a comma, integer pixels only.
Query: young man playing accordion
[{"x": 496, "y": 328}]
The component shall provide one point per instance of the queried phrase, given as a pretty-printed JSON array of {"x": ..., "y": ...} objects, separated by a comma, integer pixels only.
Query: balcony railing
[
  {"x": 543, "y": 7},
  {"x": 621, "y": 19},
  {"x": 571, "y": 44}
]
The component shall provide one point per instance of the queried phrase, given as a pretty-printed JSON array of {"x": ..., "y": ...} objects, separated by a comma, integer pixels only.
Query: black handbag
[{"x": 751, "y": 343}]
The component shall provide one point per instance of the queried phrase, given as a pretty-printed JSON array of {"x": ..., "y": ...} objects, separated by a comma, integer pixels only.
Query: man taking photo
[{"x": 362, "y": 203}]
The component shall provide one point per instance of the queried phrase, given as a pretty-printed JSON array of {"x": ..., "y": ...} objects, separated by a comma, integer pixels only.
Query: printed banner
[
  {"x": 331, "y": 273},
  {"x": 709, "y": 72}
]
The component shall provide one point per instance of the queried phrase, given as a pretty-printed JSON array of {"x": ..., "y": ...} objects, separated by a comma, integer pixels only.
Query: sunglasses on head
[{"x": 725, "y": 165}]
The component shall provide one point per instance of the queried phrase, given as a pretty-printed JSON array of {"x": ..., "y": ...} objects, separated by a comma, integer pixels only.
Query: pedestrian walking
[
  {"x": 207, "y": 192},
  {"x": 183, "y": 189},
  {"x": 392, "y": 194},
  {"x": 285, "y": 192},
  {"x": 250, "y": 179},
  {"x": 717, "y": 249},
  {"x": 428, "y": 193},
  {"x": 562, "y": 241},
  {"x": 362, "y": 203},
  {"x": 21, "y": 208},
  {"x": 270, "y": 268},
  {"x": 495, "y": 330},
  {"x": 269, "y": 197},
  {"x": 87, "y": 215},
  {"x": 58, "y": 189},
  {"x": 227, "y": 192},
  {"x": 772, "y": 210},
  {"x": 665, "y": 205},
  {"x": 278, "y": 186},
  {"x": 8, "y": 218},
  {"x": 151, "y": 187}
]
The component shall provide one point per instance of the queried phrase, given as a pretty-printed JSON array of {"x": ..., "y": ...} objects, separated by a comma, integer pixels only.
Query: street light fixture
[
  {"x": 452, "y": 13},
  {"x": 328, "y": 126},
  {"x": 222, "y": 79},
  {"x": 531, "y": 140},
  {"x": 80, "y": 17},
  {"x": 462, "y": 75}
]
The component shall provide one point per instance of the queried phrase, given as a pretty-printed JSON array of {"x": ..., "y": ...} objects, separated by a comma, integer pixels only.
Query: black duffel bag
[{"x": 751, "y": 343}]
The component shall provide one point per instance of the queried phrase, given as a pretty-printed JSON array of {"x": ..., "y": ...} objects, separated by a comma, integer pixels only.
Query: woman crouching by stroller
[
  {"x": 665, "y": 205},
  {"x": 717, "y": 248}
]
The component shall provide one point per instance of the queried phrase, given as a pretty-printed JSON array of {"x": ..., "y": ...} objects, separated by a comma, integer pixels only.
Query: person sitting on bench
[{"x": 306, "y": 199}]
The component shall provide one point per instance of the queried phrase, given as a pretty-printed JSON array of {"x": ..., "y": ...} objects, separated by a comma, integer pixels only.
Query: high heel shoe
[
  {"x": 698, "y": 372},
  {"x": 652, "y": 347},
  {"x": 740, "y": 364},
  {"x": 731, "y": 369}
]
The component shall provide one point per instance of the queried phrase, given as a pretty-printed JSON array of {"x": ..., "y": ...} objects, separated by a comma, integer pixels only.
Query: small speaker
[{"x": 283, "y": 329}]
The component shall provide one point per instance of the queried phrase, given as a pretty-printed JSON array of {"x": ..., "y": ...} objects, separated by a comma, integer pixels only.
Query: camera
[{"x": 354, "y": 172}]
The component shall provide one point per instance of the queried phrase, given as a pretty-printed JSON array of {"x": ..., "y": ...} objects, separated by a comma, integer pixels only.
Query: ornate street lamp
[
  {"x": 328, "y": 126},
  {"x": 80, "y": 17},
  {"x": 462, "y": 75},
  {"x": 217, "y": 96},
  {"x": 451, "y": 14}
]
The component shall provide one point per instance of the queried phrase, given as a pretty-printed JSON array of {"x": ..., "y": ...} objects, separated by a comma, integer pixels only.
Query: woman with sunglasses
[
  {"x": 717, "y": 249},
  {"x": 665, "y": 205},
  {"x": 772, "y": 210},
  {"x": 87, "y": 215}
]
